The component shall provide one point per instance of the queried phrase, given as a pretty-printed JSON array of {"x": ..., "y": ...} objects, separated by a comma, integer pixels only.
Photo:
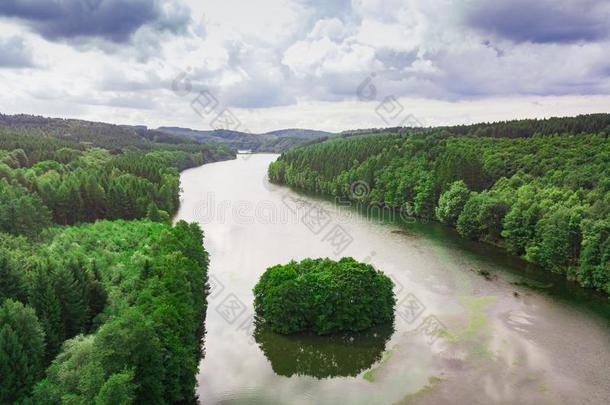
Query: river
[{"x": 472, "y": 326}]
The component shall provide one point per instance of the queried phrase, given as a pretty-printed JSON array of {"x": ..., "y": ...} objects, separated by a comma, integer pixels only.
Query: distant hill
[
  {"x": 17, "y": 131},
  {"x": 525, "y": 128},
  {"x": 117, "y": 137},
  {"x": 274, "y": 141},
  {"x": 99, "y": 134},
  {"x": 298, "y": 133}
]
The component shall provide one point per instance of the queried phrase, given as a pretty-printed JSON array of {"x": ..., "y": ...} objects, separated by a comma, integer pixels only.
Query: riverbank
[
  {"x": 494, "y": 347},
  {"x": 534, "y": 196}
]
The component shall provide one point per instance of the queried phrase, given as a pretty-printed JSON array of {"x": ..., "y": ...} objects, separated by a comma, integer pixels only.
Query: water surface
[{"x": 473, "y": 325}]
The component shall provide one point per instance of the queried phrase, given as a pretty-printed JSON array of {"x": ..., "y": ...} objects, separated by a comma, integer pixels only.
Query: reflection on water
[
  {"x": 339, "y": 355},
  {"x": 515, "y": 334}
]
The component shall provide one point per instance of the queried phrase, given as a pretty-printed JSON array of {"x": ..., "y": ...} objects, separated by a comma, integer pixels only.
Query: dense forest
[
  {"x": 48, "y": 177},
  {"x": 324, "y": 296},
  {"x": 538, "y": 188},
  {"x": 101, "y": 299}
]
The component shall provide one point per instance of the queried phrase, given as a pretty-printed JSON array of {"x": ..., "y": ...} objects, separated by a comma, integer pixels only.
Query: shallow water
[{"x": 473, "y": 325}]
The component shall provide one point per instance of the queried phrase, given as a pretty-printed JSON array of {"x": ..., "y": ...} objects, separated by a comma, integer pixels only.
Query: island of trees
[
  {"x": 538, "y": 188},
  {"x": 102, "y": 300},
  {"x": 324, "y": 296}
]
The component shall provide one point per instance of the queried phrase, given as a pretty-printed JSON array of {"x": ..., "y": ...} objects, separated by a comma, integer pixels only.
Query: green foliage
[
  {"x": 118, "y": 301},
  {"x": 117, "y": 390},
  {"x": 558, "y": 238},
  {"x": 139, "y": 289},
  {"x": 129, "y": 341},
  {"x": 44, "y": 300},
  {"x": 21, "y": 212},
  {"x": 49, "y": 176},
  {"x": 21, "y": 350},
  {"x": 12, "y": 280},
  {"x": 324, "y": 296},
  {"x": 452, "y": 202},
  {"x": 520, "y": 221},
  {"x": 595, "y": 254},
  {"x": 155, "y": 214},
  {"x": 482, "y": 216},
  {"x": 121, "y": 304},
  {"x": 538, "y": 186},
  {"x": 69, "y": 136}
]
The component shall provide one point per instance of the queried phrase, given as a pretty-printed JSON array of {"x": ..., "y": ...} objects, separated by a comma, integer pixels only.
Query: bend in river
[{"x": 472, "y": 324}]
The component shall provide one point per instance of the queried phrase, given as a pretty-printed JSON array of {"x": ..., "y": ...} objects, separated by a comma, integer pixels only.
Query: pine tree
[
  {"x": 12, "y": 357},
  {"x": 12, "y": 284},
  {"x": 98, "y": 296},
  {"x": 71, "y": 294},
  {"x": 21, "y": 350},
  {"x": 152, "y": 212},
  {"x": 43, "y": 299}
]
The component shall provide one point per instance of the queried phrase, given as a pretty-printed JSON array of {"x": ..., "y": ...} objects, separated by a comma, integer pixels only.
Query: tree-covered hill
[
  {"x": 101, "y": 299},
  {"x": 103, "y": 135},
  {"x": 539, "y": 188},
  {"x": 582, "y": 124},
  {"x": 68, "y": 171},
  {"x": 274, "y": 141}
]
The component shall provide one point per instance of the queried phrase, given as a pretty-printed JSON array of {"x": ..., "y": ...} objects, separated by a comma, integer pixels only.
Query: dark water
[{"x": 473, "y": 325}]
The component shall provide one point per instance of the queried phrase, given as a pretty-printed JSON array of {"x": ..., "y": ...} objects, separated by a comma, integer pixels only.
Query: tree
[
  {"x": 21, "y": 350},
  {"x": 12, "y": 282},
  {"x": 595, "y": 255},
  {"x": 425, "y": 197},
  {"x": 468, "y": 223},
  {"x": 75, "y": 376},
  {"x": 324, "y": 296},
  {"x": 21, "y": 213},
  {"x": 155, "y": 214},
  {"x": 520, "y": 221},
  {"x": 557, "y": 239},
  {"x": 129, "y": 342},
  {"x": 71, "y": 292},
  {"x": 451, "y": 203},
  {"x": 117, "y": 390},
  {"x": 460, "y": 164},
  {"x": 42, "y": 297},
  {"x": 482, "y": 216}
]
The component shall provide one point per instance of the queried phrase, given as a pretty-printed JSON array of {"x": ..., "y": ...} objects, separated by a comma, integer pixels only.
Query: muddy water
[{"x": 473, "y": 325}]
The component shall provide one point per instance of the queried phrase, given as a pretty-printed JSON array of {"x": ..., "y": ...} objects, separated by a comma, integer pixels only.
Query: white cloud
[
  {"x": 288, "y": 63},
  {"x": 331, "y": 28},
  {"x": 319, "y": 57},
  {"x": 383, "y": 35}
]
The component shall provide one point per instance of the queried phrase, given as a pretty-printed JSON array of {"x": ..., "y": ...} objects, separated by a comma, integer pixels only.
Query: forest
[
  {"x": 102, "y": 300},
  {"x": 324, "y": 296},
  {"x": 538, "y": 188}
]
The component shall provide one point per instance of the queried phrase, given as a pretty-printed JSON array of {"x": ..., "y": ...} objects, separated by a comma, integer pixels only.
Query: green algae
[
  {"x": 425, "y": 390},
  {"x": 369, "y": 375},
  {"x": 477, "y": 318}
]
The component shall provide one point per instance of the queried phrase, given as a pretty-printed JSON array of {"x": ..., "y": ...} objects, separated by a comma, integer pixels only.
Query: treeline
[
  {"x": 91, "y": 185},
  {"x": 543, "y": 197},
  {"x": 88, "y": 133},
  {"x": 115, "y": 308},
  {"x": 582, "y": 124},
  {"x": 57, "y": 182}
]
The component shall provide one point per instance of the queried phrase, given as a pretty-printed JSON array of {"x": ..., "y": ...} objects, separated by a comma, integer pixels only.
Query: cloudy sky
[{"x": 330, "y": 65}]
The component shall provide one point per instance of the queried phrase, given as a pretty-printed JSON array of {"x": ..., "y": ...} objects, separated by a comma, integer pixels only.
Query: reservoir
[{"x": 473, "y": 325}]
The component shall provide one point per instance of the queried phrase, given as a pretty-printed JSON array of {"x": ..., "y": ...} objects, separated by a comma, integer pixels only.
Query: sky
[{"x": 261, "y": 65}]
